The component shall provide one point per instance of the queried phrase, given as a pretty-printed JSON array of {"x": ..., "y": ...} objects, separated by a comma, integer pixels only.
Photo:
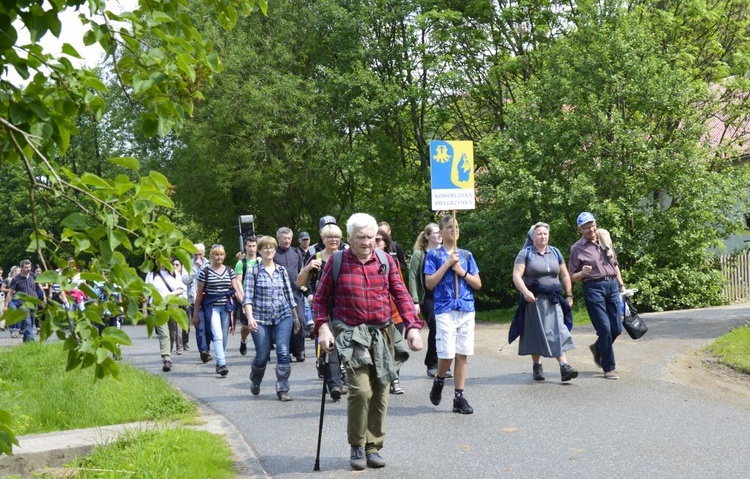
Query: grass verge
[
  {"x": 733, "y": 349},
  {"x": 505, "y": 315},
  {"x": 156, "y": 454},
  {"x": 42, "y": 397}
]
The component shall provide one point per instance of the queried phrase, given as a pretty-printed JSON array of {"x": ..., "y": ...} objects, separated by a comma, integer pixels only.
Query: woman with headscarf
[
  {"x": 544, "y": 316},
  {"x": 217, "y": 285}
]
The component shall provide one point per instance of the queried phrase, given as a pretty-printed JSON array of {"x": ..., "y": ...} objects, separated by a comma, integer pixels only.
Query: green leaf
[
  {"x": 166, "y": 124},
  {"x": 93, "y": 180},
  {"x": 95, "y": 277},
  {"x": 89, "y": 38},
  {"x": 116, "y": 336},
  {"x": 127, "y": 162},
  {"x": 75, "y": 221},
  {"x": 19, "y": 114},
  {"x": 150, "y": 124},
  {"x": 13, "y": 316},
  {"x": 101, "y": 355},
  {"x": 49, "y": 276},
  {"x": 53, "y": 22},
  {"x": 68, "y": 49}
]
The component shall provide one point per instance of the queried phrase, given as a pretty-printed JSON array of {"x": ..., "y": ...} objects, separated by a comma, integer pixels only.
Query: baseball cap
[
  {"x": 326, "y": 220},
  {"x": 584, "y": 218},
  {"x": 304, "y": 235}
]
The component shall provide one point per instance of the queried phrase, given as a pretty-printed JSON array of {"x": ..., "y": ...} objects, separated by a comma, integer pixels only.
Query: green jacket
[
  {"x": 416, "y": 276},
  {"x": 379, "y": 346}
]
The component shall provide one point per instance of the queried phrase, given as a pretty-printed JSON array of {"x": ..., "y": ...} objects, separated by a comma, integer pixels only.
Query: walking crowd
[{"x": 361, "y": 302}]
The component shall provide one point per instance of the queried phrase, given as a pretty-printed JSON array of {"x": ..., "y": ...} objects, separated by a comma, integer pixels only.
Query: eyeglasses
[{"x": 333, "y": 238}]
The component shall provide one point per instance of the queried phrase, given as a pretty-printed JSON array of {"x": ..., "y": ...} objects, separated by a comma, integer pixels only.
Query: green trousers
[{"x": 367, "y": 406}]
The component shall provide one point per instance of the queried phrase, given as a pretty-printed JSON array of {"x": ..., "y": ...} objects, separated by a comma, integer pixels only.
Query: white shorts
[{"x": 454, "y": 334}]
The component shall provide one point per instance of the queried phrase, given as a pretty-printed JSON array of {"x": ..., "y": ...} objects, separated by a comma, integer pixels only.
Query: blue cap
[
  {"x": 584, "y": 218},
  {"x": 304, "y": 235},
  {"x": 325, "y": 221}
]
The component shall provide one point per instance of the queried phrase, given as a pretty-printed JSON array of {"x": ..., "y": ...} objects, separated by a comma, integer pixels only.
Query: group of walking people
[{"x": 365, "y": 316}]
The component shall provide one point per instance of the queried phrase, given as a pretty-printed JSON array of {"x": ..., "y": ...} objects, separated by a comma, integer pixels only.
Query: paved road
[{"x": 644, "y": 425}]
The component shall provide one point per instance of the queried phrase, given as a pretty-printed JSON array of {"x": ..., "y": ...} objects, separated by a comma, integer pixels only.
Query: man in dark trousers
[
  {"x": 291, "y": 259},
  {"x": 602, "y": 285}
]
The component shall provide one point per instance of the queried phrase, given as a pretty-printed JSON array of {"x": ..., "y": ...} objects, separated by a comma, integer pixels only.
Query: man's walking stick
[{"x": 323, "y": 362}]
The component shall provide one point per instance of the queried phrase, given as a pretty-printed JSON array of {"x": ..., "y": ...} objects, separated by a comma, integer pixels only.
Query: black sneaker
[
  {"x": 336, "y": 393},
  {"x": 166, "y": 366},
  {"x": 461, "y": 406},
  {"x": 223, "y": 370},
  {"x": 243, "y": 348},
  {"x": 567, "y": 372},
  {"x": 254, "y": 389},
  {"x": 436, "y": 394},
  {"x": 538, "y": 372},
  {"x": 205, "y": 357}
]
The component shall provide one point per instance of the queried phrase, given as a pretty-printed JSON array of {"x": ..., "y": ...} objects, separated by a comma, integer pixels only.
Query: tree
[
  {"x": 615, "y": 123},
  {"x": 162, "y": 62}
]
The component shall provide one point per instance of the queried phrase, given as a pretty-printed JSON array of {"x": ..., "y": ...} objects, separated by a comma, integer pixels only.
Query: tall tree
[{"x": 615, "y": 125}]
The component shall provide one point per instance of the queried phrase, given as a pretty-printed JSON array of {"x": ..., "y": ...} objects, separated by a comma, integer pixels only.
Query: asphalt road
[{"x": 647, "y": 424}]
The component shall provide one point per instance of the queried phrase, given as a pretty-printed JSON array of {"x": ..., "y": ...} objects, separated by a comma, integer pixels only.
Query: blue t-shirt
[{"x": 444, "y": 293}]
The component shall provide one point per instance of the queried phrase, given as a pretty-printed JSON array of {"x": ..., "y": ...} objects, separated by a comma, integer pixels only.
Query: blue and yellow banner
[{"x": 452, "y": 168}]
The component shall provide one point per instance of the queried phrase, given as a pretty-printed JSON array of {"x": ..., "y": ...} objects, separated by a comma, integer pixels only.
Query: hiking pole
[{"x": 323, "y": 362}]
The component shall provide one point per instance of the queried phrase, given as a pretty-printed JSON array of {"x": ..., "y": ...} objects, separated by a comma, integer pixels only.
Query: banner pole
[{"x": 455, "y": 275}]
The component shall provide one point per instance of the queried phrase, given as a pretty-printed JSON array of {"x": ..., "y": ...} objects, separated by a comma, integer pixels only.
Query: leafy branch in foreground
[{"x": 162, "y": 62}]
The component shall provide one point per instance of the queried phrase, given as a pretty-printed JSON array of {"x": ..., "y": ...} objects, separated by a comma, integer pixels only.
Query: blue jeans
[
  {"x": 262, "y": 340},
  {"x": 220, "y": 333},
  {"x": 603, "y": 304},
  {"x": 26, "y": 324},
  {"x": 202, "y": 333}
]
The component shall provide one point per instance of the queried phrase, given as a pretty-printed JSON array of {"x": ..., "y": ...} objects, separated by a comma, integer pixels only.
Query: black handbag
[{"x": 632, "y": 322}]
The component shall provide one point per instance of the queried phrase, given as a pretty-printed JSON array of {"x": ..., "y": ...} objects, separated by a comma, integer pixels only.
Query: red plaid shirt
[{"x": 362, "y": 293}]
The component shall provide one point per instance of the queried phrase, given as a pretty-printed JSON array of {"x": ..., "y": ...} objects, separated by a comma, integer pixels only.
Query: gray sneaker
[
  {"x": 611, "y": 375},
  {"x": 375, "y": 460},
  {"x": 357, "y": 458}
]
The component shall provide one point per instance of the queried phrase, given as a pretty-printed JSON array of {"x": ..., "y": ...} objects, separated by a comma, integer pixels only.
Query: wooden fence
[{"x": 736, "y": 270}]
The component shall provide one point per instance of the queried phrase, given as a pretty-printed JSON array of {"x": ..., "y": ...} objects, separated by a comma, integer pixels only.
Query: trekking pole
[{"x": 323, "y": 361}]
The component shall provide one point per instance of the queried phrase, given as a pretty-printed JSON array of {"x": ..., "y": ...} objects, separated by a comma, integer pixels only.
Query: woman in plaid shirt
[{"x": 270, "y": 310}]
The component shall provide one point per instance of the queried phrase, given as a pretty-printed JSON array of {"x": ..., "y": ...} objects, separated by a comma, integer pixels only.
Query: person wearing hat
[
  {"x": 602, "y": 284},
  {"x": 304, "y": 243},
  {"x": 320, "y": 246}
]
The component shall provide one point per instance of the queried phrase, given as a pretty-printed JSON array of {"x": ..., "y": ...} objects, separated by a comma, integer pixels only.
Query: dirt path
[{"x": 678, "y": 360}]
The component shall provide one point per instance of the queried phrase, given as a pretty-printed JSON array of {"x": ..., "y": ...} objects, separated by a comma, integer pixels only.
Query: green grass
[
  {"x": 183, "y": 453},
  {"x": 733, "y": 349},
  {"x": 505, "y": 315},
  {"x": 42, "y": 397}
]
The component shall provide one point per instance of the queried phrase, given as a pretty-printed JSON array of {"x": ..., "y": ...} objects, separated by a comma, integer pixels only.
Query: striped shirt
[{"x": 217, "y": 283}]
